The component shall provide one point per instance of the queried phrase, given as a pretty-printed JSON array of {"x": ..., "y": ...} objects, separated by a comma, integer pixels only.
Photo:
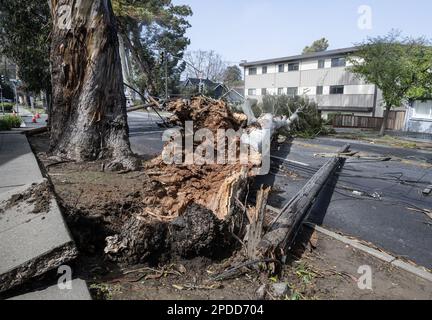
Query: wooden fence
[{"x": 395, "y": 121}]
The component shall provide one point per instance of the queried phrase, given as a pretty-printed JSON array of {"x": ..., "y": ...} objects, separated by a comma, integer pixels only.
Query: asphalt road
[{"x": 368, "y": 200}]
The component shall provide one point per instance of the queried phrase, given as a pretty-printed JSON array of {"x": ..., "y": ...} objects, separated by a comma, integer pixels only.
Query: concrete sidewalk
[
  {"x": 18, "y": 165},
  {"x": 32, "y": 242}
]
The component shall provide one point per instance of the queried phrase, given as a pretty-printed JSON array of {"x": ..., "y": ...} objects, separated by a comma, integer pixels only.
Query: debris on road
[
  {"x": 427, "y": 191},
  {"x": 427, "y": 212},
  {"x": 353, "y": 155}
]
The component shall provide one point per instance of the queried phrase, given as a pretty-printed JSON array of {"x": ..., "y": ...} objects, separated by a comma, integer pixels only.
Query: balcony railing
[{"x": 344, "y": 100}]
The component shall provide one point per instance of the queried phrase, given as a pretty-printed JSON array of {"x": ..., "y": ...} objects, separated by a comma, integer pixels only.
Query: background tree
[
  {"x": 149, "y": 28},
  {"x": 317, "y": 46},
  {"x": 398, "y": 67},
  {"x": 25, "y": 27},
  {"x": 205, "y": 65},
  {"x": 154, "y": 32},
  {"x": 233, "y": 76}
]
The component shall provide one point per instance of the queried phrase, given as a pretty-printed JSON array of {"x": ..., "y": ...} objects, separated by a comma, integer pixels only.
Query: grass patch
[{"x": 385, "y": 140}]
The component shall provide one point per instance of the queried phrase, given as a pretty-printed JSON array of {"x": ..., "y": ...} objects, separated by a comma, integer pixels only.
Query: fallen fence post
[{"x": 283, "y": 231}]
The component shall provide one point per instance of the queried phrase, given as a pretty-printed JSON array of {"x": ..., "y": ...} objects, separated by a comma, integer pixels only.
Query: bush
[
  {"x": 8, "y": 106},
  {"x": 8, "y": 122}
]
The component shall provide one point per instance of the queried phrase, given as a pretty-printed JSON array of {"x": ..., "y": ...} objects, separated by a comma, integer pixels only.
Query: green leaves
[
  {"x": 399, "y": 67},
  {"x": 317, "y": 46},
  {"x": 25, "y": 36},
  {"x": 154, "y": 25},
  {"x": 155, "y": 28}
]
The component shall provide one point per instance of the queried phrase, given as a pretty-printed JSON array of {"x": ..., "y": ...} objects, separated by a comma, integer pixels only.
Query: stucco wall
[{"x": 418, "y": 125}]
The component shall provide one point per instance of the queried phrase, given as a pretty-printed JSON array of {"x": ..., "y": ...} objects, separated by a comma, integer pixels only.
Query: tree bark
[
  {"x": 384, "y": 124},
  {"x": 89, "y": 119}
]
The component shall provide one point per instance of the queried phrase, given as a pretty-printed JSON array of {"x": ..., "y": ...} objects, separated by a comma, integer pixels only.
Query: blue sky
[{"x": 257, "y": 29}]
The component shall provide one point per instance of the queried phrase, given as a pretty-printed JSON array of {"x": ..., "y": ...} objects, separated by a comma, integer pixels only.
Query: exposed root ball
[
  {"x": 205, "y": 113},
  {"x": 198, "y": 233},
  {"x": 137, "y": 243}
]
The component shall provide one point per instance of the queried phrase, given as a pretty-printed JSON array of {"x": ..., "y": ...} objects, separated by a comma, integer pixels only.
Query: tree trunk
[
  {"x": 89, "y": 119},
  {"x": 384, "y": 124}
]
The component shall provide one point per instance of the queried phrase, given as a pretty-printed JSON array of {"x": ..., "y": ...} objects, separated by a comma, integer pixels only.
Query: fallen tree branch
[{"x": 231, "y": 272}]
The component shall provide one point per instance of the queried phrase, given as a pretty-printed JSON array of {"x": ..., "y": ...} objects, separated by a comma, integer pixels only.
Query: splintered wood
[{"x": 214, "y": 186}]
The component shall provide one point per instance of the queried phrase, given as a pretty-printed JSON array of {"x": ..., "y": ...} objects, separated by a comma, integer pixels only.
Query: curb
[
  {"x": 418, "y": 271},
  {"x": 421, "y": 272}
]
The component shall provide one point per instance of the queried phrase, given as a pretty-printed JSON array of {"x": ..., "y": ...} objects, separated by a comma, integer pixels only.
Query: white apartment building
[{"x": 322, "y": 76}]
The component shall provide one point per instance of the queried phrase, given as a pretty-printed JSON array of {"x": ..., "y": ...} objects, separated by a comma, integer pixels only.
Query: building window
[
  {"x": 280, "y": 91},
  {"x": 263, "y": 91},
  {"x": 338, "y": 62},
  {"x": 264, "y": 70},
  {"x": 321, "y": 64},
  {"x": 292, "y": 91},
  {"x": 252, "y": 71},
  {"x": 319, "y": 90},
  {"x": 281, "y": 68},
  {"x": 337, "y": 90},
  {"x": 252, "y": 92},
  {"x": 422, "y": 110},
  {"x": 293, "y": 66}
]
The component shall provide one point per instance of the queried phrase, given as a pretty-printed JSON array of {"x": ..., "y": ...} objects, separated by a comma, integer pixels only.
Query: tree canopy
[
  {"x": 400, "y": 67},
  {"x": 25, "y": 27},
  {"x": 232, "y": 75},
  {"x": 317, "y": 46},
  {"x": 205, "y": 64},
  {"x": 154, "y": 31}
]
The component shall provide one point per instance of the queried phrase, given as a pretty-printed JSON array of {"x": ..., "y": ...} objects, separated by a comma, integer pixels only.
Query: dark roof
[
  {"x": 302, "y": 56},
  {"x": 196, "y": 82}
]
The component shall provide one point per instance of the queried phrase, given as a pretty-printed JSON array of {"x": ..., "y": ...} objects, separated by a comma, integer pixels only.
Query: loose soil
[{"x": 38, "y": 194}]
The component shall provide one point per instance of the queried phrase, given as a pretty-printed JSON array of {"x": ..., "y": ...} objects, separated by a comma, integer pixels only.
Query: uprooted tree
[
  {"x": 89, "y": 118},
  {"x": 198, "y": 208}
]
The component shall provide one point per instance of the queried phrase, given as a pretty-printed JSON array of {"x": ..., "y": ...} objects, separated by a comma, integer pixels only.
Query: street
[{"x": 368, "y": 200}]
